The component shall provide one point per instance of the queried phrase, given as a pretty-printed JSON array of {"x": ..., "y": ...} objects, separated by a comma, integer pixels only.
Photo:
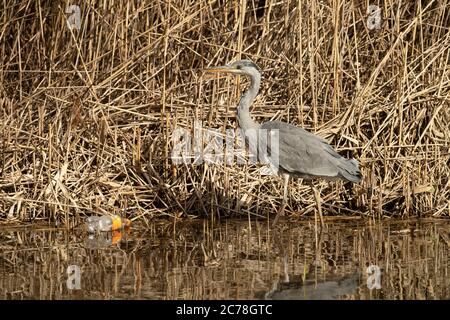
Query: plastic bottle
[{"x": 105, "y": 223}]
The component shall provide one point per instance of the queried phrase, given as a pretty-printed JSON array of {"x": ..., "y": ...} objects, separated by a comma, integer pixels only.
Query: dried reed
[{"x": 87, "y": 116}]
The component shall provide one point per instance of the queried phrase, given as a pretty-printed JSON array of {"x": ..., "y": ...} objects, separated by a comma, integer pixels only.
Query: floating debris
[{"x": 106, "y": 223}]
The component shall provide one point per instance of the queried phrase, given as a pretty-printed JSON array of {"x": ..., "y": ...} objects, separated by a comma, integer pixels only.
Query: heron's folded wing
[{"x": 301, "y": 152}]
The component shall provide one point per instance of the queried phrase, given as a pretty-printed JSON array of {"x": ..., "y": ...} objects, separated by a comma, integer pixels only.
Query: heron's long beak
[{"x": 225, "y": 69}]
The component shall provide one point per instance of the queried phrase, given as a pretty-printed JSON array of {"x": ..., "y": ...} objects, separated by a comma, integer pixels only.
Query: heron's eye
[{"x": 238, "y": 66}]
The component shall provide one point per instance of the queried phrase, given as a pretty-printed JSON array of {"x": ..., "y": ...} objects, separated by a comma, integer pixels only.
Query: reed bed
[{"x": 87, "y": 116}]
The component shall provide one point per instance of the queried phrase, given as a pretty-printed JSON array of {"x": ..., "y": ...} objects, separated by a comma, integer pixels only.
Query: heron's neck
[{"x": 243, "y": 114}]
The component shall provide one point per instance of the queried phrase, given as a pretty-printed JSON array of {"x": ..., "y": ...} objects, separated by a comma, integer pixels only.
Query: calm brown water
[{"x": 231, "y": 260}]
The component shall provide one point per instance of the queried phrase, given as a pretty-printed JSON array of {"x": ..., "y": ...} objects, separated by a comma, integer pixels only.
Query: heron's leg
[
  {"x": 317, "y": 198},
  {"x": 283, "y": 205}
]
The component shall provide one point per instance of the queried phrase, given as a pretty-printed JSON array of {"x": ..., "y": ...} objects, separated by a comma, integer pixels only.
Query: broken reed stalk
[{"x": 87, "y": 116}]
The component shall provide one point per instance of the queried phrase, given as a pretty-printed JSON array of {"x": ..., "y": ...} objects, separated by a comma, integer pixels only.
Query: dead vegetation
[{"x": 87, "y": 116}]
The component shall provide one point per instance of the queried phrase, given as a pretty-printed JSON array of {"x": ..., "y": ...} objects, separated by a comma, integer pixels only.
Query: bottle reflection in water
[{"x": 103, "y": 240}]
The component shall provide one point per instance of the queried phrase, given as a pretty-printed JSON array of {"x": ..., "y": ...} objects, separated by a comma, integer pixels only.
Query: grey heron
[{"x": 301, "y": 154}]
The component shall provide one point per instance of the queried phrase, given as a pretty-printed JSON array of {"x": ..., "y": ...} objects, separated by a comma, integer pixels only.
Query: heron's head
[{"x": 240, "y": 67}]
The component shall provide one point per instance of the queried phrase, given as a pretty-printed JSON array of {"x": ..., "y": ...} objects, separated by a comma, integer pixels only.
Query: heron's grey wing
[{"x": 305, "y": 154}]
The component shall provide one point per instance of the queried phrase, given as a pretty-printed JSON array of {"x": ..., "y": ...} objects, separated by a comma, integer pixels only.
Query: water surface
[{"x": 231, "y": 260}]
